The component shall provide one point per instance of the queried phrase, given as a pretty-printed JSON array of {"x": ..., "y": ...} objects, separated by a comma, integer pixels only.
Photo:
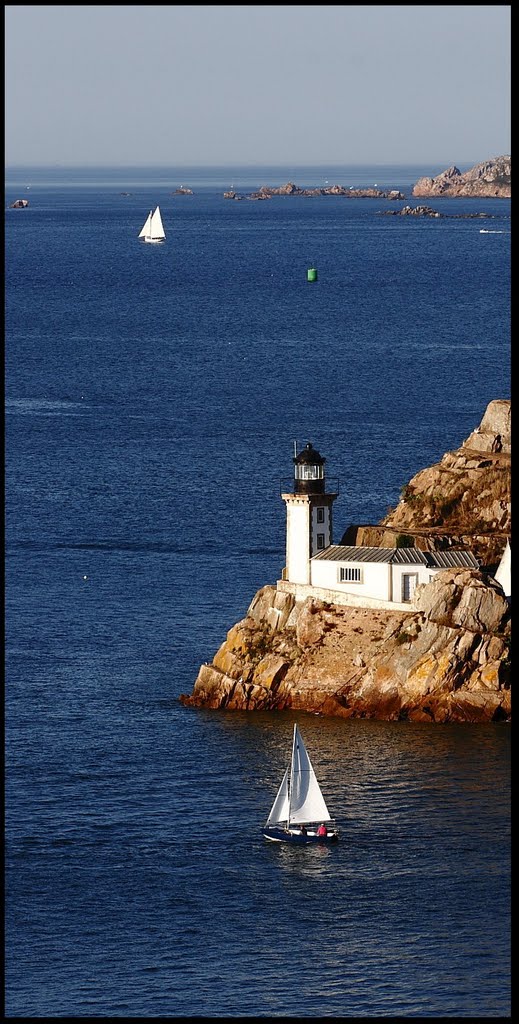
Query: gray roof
[
  {"x": 344, "y": 553},
  {"x": 452, "y": 559},
  {"x": 399, "y": 556}
]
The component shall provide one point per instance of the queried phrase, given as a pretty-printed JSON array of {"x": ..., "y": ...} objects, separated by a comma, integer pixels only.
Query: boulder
[{"x": 465, "y": 599}]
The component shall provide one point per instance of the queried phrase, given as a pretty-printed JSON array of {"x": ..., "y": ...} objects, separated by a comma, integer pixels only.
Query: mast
[{"x": 291, "y": 778}]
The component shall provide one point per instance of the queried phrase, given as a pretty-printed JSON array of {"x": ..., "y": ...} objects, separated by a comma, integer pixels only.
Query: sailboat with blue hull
[{"x": 299, "y": 813}]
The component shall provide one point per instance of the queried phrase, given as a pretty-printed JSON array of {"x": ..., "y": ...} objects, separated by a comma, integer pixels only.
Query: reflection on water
[{"x": 302, "y": 861}]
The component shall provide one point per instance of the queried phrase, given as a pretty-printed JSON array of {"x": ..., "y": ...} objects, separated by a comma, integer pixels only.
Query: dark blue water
[{"x": 153, "y": 395}]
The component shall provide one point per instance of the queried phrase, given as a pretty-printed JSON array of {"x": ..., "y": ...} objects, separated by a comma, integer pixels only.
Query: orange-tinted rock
[
  {"x": 433, "y": 663},
  {"x": 492, "y": 178}
]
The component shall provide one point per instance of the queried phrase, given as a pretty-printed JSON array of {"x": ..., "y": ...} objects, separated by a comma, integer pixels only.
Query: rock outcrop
[
  {"x": 414, "y": 211},
  {"x": 447, "y": 660},
  {"x": 493, "y": 178},
  {"x": 426, "y": 211},
  {"x": 267, "y": 191},
  {"x": 462, "y": 501}
]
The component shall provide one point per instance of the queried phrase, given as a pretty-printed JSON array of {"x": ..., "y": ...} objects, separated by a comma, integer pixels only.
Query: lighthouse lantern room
[{"x": 309, "y": 514}]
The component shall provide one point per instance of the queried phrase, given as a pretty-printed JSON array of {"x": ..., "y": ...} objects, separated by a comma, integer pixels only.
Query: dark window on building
[{"x": 350, "y": 574}]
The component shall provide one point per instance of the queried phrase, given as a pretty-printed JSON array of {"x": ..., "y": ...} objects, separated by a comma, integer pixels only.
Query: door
[{"x": 409, "y": 581}]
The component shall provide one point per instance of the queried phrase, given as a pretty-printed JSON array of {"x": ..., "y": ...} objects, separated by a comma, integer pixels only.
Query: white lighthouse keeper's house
[{"x": 365, "y": 577}]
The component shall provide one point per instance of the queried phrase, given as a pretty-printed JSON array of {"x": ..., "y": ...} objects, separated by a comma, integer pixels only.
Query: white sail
[
  {"x": 146, "y": 230},
  {"x": 306, "y": 800},
  {"x": 157, "y": 228},
  {"x": 279, "y": 810}
]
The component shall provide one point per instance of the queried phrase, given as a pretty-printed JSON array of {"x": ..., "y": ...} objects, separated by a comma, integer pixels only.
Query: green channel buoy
[{"x": 311, "y": 274}]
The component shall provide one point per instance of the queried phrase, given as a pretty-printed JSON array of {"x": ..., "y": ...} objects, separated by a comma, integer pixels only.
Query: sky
[{"x": 256, "y": 85}]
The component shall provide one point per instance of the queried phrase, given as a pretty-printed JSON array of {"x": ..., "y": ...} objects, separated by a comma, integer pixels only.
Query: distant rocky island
[
  {"x": 491, "y": 179},
  {"x": 267, "y": 191},
  {"x": 427, "y": 211},
  {"x": 445, "y": 659}
]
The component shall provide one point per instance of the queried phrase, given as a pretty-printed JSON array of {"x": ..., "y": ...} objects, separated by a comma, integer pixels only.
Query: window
[
  {"x": 306, "y": 472},
  {"x": 320, "y": 515},
  {"x": 350, "y": 574},
  {"x": 320, "y": 541}
]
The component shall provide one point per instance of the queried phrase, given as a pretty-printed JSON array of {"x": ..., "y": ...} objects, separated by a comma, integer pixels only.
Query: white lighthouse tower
[{"x": 309, "y": 515}]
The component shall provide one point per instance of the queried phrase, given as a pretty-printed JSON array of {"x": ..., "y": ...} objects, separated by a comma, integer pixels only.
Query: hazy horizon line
[{"x": 297, "y": 163}]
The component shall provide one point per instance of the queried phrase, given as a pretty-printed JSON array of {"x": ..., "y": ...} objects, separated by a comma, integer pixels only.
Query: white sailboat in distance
[{"x": 153, "y": 228}]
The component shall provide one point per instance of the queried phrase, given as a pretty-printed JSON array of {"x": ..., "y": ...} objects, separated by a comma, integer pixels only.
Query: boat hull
[{"x": 283, "y": 835}]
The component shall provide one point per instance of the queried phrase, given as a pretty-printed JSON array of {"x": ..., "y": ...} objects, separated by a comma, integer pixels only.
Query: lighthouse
[{"x": 309, "y": 514}]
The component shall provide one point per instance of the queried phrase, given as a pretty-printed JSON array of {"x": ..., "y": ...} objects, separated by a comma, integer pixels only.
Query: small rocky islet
[{"x": 446, "y": 659}]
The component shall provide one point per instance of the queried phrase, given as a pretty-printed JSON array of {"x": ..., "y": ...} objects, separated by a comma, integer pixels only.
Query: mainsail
[
  {"x": 157, "y": 229},
  {"x": 306, "y": 800}
]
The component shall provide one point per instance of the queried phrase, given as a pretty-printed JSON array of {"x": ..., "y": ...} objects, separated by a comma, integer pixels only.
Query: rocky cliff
[
  {"x": 462, "y": 501},
  {"x": 447, "y": 660},
  {"x": 491, "y": 178},
  {"x": 444, "y": 660}
]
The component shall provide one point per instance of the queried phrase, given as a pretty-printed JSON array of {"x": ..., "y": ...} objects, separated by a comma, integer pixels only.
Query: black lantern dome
[{"x": 309, "y": 471}]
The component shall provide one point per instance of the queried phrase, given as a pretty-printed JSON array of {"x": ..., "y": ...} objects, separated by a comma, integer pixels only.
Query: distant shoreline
[{"x": 246, "y": 178}]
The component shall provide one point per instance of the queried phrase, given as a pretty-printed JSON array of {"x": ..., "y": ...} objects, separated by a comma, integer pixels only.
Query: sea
[{"x": 154, "y": 397}]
